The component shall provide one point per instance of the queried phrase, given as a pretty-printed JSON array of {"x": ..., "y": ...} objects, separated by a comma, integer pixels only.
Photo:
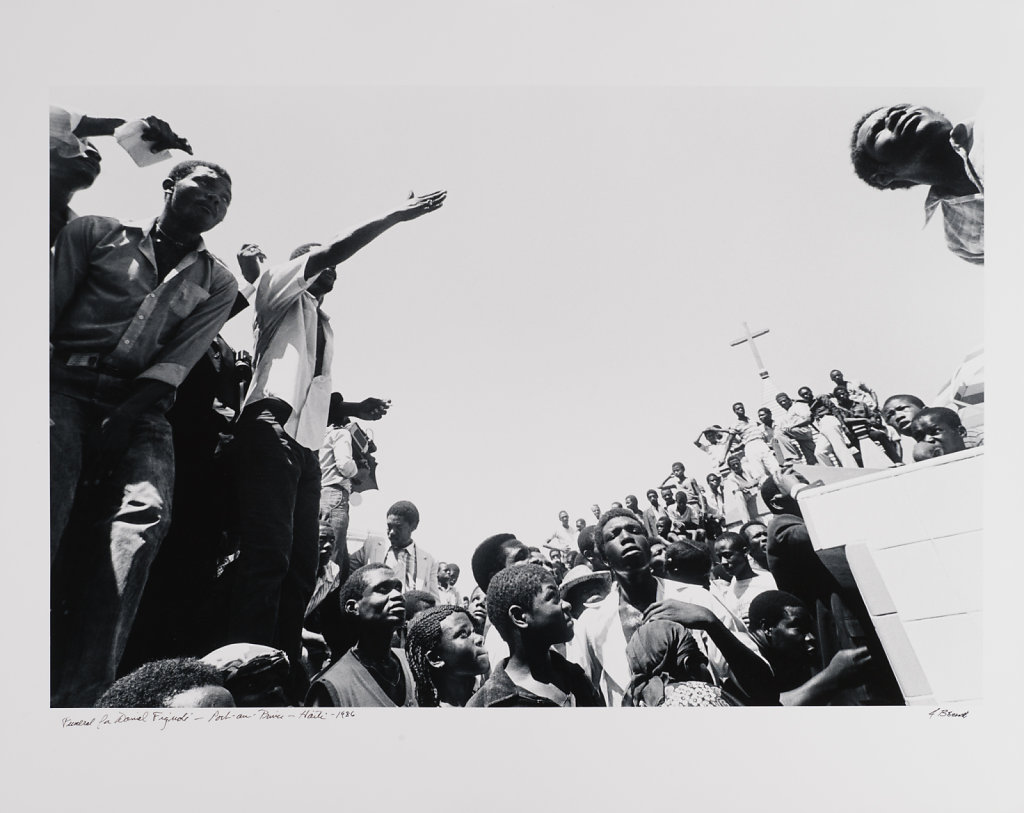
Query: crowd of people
[{"x": 200, "y": 496}]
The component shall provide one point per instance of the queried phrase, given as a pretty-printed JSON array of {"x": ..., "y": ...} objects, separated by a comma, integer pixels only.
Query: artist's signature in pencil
[{"x": 946, "y": 713}]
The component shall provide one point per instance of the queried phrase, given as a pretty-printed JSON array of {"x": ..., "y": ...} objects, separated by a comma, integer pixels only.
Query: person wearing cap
[
  {"x": 254, "y": 674},
  {"x": 581, "y": 586}
]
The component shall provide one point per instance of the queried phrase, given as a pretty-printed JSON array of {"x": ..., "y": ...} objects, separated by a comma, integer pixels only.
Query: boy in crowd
[
  {"x": 938, "y": 431},
  {"x": 492, "y": 555},
  {"x": 684, "y": 517},
  {"x": 372, "y": 673},
  {"x": 731, "y": 551},
  {"x": 446, "y": 655},
  {"x": 525, "y": 606},
  {"x": 784, "y": 629}
]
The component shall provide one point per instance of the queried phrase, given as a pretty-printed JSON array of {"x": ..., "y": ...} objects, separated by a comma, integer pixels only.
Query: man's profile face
[
  {"x": 836, "y": 376},
  {"x": 631, "y": 503},
  {"x": 200, "y": 200},
  {"x": 900, "y": 413},
  {"x": 652, "y": 497},
  {"x": 784, "y": 400},
  {"x": 714, "y": 480},
  {"x": 399, "y": 531},
  {"x": 516, "y": 553},
  {"x": 324, "y": 282},
  {"x": 905, "y": 138},
  {"x": 443, "y": 575},
  {"x": 764, "y": 415},
  {"x": 739, "y": 410},
  {"x": 805, "y": 393},
  {"x": 75, "y": 168},
  {"x": 563, "y": 517},
  {"x": 793, "y": 635},
  {"x": 580, "y": 525}
]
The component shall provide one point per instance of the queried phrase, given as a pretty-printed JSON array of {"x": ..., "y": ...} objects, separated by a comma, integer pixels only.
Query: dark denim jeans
[
  {"x": 103, "y": 539},
  {"x": 278, "y": 483}
]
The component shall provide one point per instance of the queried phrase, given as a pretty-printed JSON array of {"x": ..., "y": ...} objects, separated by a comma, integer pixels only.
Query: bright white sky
[{"x": 559, "y": 332}]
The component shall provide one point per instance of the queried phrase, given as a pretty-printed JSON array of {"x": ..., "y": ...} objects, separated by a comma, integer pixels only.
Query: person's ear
[
  {"x": 962, "y": 430},
  {"x": 352, "y": 606},
  {"x": 168, "y": 184},
  {"x": 434, "y": 660},
  {"x": 882, "y": 178},
  {"x": 519, "y": 616}
]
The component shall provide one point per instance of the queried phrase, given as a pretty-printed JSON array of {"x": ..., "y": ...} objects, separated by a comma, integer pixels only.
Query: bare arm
[
  {"x": 344, "y": 246},
  {"x": 750, "y": 670},
  {"x": 842, "y": 671}
]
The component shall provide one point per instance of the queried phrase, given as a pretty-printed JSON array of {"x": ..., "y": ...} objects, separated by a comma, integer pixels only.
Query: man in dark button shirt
[{"x": 133, "y": 308}]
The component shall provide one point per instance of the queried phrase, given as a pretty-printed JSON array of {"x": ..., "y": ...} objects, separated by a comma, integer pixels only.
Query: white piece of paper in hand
[{"x": 129, "y": 136}]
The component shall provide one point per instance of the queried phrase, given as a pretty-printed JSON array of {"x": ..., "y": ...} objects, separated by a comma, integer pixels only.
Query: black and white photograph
[{"x": 614, "y": 385}]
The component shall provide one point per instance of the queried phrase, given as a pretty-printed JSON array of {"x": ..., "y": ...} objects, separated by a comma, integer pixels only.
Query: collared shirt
[
  {"x": 964, "y": 215},
  {"x": 403, "y": 562},
  {"x": 284, "y": 359},
  {"x": 337, "y": 468},
  {"x": 108, "y": 303},
  {"x": 747, "y": 431},
  {"x": 798, "y": 413}
]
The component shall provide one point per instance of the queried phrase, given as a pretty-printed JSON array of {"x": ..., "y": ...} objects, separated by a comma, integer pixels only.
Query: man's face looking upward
[{"x": 907, "y": 140}]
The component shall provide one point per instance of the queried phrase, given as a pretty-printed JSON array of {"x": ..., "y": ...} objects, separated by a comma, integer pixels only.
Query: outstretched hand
[
  {"x": 371, "y": 409},
  {"x": 163, "y": 137},
  {"x": 416, "y": 206},
  {"x": 849, "y": 664},
  {"x": 250, "y": 261}
]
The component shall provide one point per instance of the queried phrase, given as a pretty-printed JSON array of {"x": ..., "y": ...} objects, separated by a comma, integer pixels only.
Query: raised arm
[
  {"x": 344, "y": 246},
  {"x": 157, "y": 131}
]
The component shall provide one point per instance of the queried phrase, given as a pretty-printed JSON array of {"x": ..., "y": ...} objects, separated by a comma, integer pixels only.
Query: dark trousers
[
  {"x": 103, "y": 540},
  {"x": 278, "y": 496}
]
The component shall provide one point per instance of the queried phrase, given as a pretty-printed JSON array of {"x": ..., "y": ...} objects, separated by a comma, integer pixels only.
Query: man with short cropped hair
[
  {"x": 133, "y": 307},
  {"x": 904, "y": 145},
  {"x": 279, "y": 433}
]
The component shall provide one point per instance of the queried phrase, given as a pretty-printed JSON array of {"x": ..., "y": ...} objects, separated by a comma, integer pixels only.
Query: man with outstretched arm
[{"x": 279, "y": 433}]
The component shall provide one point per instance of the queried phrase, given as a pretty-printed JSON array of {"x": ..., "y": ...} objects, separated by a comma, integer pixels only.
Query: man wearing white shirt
[{"x": 278, "y": 435}]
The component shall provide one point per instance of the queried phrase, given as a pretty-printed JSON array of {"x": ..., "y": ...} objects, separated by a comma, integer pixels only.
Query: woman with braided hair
[{"x": 445, "y": 655}]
